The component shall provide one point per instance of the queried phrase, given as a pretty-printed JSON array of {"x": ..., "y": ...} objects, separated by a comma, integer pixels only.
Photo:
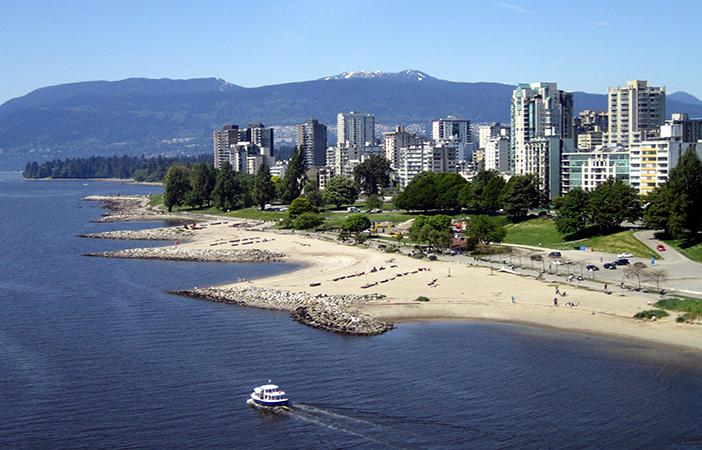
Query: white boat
[{"x": 268, "y": 395}]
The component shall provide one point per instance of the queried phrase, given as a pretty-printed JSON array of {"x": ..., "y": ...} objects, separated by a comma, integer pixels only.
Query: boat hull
[{"x": 269, "y": 403}]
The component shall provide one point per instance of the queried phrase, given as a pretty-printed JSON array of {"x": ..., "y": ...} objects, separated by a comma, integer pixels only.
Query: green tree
[
  {"x": 295, "y": 176},
  {"x": 202, "y": 179},
  {"x": 264, "y": 189},
  {"x": 418, "y": 231},
  {"x": 420, "y": 194},
  {"x": 356, "y": 223},
  {"x": 471, "y": 194},
  {"x": 574, "y": 213},
  {"x": 374, "y": 202},
  {"x": 490, "y": 198},
  {"x": 226, "y": 193},
  {"x": 448, "y": 188},
  {"x": 676, "y": 206},
  {"x": 308, "y": 220},
  {"x": 373, "y": 174},
  {"x": 520, "y": 194},
  {"x": 612, "y": 202},
  {"x": 485, "y": 230},
  {"x": 177, "y": 187},
  {"x": 340, "y": 191},
  {"x": 300, "y": 206}
]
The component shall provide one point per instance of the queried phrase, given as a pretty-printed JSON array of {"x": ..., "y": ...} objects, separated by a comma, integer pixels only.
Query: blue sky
[{"x": 583, "y": 46}]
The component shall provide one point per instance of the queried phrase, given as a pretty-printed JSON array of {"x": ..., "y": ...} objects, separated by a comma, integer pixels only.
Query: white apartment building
[
  {"x": 587, "y": 170},
  {"x": 496, "y": 130},
  {"x": 651, "y": 161},
  {"x": 355, "y": 129},
  {"x": 496, "y": 154},
  {"x": 538, "y": 110},
  {"x": 393, "y": 141},
  {"x": 425, "y": 157},
  {"x": 456, "y": 133},
  {"x": 636, "y": 112}
]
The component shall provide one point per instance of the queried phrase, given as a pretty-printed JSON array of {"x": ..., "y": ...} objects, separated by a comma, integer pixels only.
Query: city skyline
[{"x": 580, "y": 48}]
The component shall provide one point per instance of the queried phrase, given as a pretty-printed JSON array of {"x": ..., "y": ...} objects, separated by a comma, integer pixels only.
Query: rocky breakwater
[
  {"x": 185, "y": 254},
  {"x": 157, "y": 234},
  {"x": 327, "y": 312},
  {"x": 132, "y": 208}
]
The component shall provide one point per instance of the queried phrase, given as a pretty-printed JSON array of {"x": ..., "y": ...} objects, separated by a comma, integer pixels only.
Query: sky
[{"x": 582, "y": 46}]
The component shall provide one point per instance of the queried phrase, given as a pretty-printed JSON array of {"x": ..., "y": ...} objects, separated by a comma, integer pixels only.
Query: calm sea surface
[{"x": 94, "y": 355}]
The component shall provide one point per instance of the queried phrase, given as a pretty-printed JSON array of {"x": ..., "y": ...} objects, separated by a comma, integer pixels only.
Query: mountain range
[{"x": 169, "y": 117}]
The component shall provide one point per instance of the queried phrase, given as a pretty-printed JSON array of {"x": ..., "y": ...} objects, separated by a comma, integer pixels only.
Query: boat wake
[{"x": 370, "y": 430}]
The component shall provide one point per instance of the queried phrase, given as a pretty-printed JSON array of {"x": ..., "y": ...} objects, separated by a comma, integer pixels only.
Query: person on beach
[
  {"x": 555, "y": 301},
  {"x": 513, "y": 299}
]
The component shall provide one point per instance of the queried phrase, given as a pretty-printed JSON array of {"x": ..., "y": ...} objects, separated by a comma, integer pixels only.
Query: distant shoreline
[{"x": 457, "y": 290}]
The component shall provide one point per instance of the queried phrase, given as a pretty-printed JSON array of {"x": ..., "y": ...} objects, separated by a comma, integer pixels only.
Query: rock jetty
[
  {"x": 156, "y": 234},
  {"x": 131, "y": 208},
  {"x": 185, "y": 254},
  {"x": 326, "y": 312}
]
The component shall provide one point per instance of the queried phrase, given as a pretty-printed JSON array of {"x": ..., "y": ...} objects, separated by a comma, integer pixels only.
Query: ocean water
[{"x": 94, "y": 354}]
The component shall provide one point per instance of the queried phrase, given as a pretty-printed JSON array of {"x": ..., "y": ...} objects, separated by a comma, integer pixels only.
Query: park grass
[
  {"x": 692, "y": 250},
  {"x": 536, "y": 232},
  {"x": 691, "y": 307},
  {"x": 621, "y": 242}
]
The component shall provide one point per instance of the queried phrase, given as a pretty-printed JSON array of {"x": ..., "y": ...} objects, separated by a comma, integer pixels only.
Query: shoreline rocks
[
  {"x": 184, "y": 254},
  {"x": 326, "y": 312},
  {"x": 157, "y": 234},
  {"x": 131, "y": 208}
]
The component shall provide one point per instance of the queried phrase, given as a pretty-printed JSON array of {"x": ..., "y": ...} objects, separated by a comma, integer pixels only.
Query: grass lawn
[
  {"x": 533, "y": 232},
  {"x": 621, "y": 242},
  {"x": 691, "y": 250}
]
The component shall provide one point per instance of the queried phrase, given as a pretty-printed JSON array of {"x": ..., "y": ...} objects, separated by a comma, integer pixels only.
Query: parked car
[
  {"x": 592, "y": 267},
  {"x": 536, "y": 257},
  {"x": 554, "y": 255},
  {"x": 625, "y": 255},
  {"x": 622, "y": 262},
  {"x": 610, "y": 266},
  {"x": 660, "y": 248}
]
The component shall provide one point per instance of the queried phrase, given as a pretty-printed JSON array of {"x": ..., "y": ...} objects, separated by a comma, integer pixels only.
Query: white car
[{"x": 625, "y": 255}]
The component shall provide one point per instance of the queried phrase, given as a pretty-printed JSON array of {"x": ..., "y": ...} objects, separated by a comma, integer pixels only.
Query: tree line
[
  {"x": 488, "y": 192},
  {"x": 123, "y": 167}
]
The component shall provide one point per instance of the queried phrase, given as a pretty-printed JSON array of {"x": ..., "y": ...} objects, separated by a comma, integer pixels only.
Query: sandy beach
[{"x": 458, "y": 290}]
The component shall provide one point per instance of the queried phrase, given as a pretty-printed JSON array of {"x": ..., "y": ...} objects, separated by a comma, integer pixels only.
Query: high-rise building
[
  {"x": 224, "y": 139},
  {"x": 427, "y": 156},
  {"x": 355, "y": 129},
  {"x": 454, "y": 132},
  {"x": 636, "y": 112},
  {"x": 259, "y": 135},
  {"x": 312, "y": 137},
  {"x": 681, "y": 127},
  {"x": 587, "y": 170},
  {"x": 237, "y": 145},
  {"x": 393, "y": 141},
  {"x": 540, "y": 111},
  {"x": 496, "y": 154},
  {"x": 652, "y": 161}
]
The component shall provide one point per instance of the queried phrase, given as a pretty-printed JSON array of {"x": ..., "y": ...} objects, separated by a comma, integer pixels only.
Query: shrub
[
  {"x": 658, "y": 313},
  {"x": 421, "y": 299}
]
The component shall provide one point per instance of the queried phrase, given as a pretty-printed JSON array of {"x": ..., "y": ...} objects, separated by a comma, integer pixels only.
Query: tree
[
  {"x": 355, "y": 223},
  {"x": 520, "y": 194},
  {"x": 471, "y": 194},
  {"x": 340, "y": 191},
  {"x": 226, "y": 193},
  {"x": 676, "y": 206},
  {"x": 485, "y": 230},
  {"x": 177, "y": 187},
  {"x": 300, "y": 206},
  {"x": 264, "y": 189},
  {"x": 202, "y": 179},
  {"x": 612, "y": 202},
  {"x": 573, "y": 214},
  {"x": 657, "y": 275},
  {"x": 448, "y": 188},
  {"x": 308, "y": 220},
  {"x": 421, "y": 229},
  {"x": 374, "y": 202},
  {"x": 420, "y": 193},
  {"x": 295, "y": 176},
  {"x": 490, "y": 199},
  {"x": 373, "y": 174}
]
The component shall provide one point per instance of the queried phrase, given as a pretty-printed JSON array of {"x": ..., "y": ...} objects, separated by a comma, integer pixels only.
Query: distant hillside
[{"x": 177, "y": 117}]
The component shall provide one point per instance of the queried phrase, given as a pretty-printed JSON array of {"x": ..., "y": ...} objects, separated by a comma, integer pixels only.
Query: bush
[
  {"x": 308, "y": 220},
  {"x": 657, "y": 313},
  {"x": 687, "y": 318},
  {"x": 421, "y": 299}
]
